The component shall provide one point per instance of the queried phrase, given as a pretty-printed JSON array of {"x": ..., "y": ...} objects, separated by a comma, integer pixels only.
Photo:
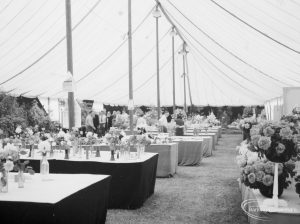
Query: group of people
[{"x": 101, "y": 122}]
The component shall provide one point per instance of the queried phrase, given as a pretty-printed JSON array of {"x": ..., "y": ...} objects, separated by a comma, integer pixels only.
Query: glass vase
[
  {"x": 44, "y": 170},
  {"x": 4, "y": 182},
  {"x": 97, "y": 151},
  {"x": 67, "y": 152},
  {"x": 74, "y": 147},
  {"x": 31, "y": 151},
  {"x": 21, "y": 179},
  {"x": 112, "y": 153}
]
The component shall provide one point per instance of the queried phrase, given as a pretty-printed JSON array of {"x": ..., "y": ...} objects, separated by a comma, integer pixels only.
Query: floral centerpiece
[
  {"x": 8, "y": 155},
  {"x": 113, "y": 139},
  {"x": 211, "y": 120},
  {"x": 122, "y": 122},
  {"x": 246, "y": 125},
  {"x": 276, "y": 140},
  {"x": 260, "y": 175}
]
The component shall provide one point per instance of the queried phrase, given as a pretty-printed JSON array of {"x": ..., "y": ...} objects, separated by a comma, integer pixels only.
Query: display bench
[
  {"x": 61, "y": 199},
  {"x": 133, "y": 180}
]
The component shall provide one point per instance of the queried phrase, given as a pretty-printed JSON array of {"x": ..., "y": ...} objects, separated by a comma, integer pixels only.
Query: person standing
[
  {"x": 179, "y": 130},
  {"x": 96, "y": 123},
  {"x": 109, "y": 119},
  {"x": 163, "y": 122},
  {"x": 89, "y": 122},
  {"x": 102, "y": 123}
]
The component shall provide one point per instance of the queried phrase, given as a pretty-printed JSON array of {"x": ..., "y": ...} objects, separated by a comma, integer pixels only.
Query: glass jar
[
  {"x": 21, "y": 179},
  {"x": 4, "y": 182},
  {"x": 44, "y": 170}
]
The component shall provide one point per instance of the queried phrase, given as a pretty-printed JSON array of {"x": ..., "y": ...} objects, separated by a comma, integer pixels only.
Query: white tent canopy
[{"x": 240, "y": 52}]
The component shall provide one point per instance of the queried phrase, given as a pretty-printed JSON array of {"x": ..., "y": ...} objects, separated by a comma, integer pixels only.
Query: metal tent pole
[
  {"x": 71, "y": 108},
  {"x": 130, "y": 68}
]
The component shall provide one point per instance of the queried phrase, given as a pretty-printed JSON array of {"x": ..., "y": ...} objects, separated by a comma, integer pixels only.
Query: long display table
[
  {"x": 167, "y": 160},
  {"x": 133, "y": 181},
  {"x": 62, "y": 199},
  {"x": 190, "y": 151}
]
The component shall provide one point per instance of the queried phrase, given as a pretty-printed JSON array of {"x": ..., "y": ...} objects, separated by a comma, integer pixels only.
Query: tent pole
[
  {"x": 188, "y": 81},
  {"x": 170, "y": 21},
  {"x": 130, "y": 68},
  {"x": 71, "y": 109},
  {"x": 184, "y": 74},
  {"x": 173, "y": 69},
  {"x": 157, "y": 66}
]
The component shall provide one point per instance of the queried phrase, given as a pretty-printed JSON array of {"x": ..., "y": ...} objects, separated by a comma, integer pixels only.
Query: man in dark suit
[{"x": 96, "y": 123}]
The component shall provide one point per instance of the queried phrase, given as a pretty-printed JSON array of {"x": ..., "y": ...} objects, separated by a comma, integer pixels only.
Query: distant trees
[{"x": 13, "y": 114}]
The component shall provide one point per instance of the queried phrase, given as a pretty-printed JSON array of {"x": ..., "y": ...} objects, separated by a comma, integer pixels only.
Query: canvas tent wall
[{"x": 283, "y": 105}]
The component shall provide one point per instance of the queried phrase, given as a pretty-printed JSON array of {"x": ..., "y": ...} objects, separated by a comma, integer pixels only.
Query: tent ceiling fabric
[{"x": 240, "y": 52}]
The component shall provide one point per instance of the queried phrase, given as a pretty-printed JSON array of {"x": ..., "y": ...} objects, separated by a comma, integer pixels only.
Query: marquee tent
[{"x": 239, "y": 52}]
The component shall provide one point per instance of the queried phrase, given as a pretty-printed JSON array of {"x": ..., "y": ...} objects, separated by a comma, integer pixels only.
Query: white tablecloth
[
  {"x": 104, "y": 157},
  {"x": 58, "y": 187}
]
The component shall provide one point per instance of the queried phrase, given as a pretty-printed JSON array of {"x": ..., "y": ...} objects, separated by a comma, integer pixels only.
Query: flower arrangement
[
  {"x": 179, "y": 113},
  {"x": 44, "y": 146},
  {"x": 112, "y": 139},
  {"x": 122, "y": 122},
  {"x": 245, "y": 125},
  {"x": 212, "y": 120},
  {"x": 23, "y": 166},
  {"x": 276, "y": 141},
  {"x": 143, "y": 140},
  {"x": 90, "y": 139},
  {"x": 260, "y": 175}
]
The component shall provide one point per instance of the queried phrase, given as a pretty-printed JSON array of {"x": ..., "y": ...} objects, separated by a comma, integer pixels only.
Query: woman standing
[{"x": 179, "y": 131}]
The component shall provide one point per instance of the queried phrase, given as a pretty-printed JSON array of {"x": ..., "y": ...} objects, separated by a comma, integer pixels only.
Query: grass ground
[{"x": 206, "y": 194}]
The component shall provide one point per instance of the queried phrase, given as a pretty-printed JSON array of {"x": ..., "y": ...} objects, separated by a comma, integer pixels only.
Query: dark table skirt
[
  {"x": 131, "y": 184},
  {"x": 87, "y": 206}
]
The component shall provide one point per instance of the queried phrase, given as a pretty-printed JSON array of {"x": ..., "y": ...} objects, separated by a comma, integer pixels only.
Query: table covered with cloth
[
  {"x": 258, "y": 213},
  {"x": 61, "y": 199},
  {"x": 202, "y": 134},
  {"x": 133, "y": 181},
  {"x": 207, "y": 145},
  {"x": 190, "y": 151},
  {"x": 167, "y": 160}
]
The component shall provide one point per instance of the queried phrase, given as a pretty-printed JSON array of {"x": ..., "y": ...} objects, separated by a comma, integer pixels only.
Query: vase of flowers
[
  {"x": 142, "y": 142},
  {"x": 21, "y": 168},
  {"x": 4, "y": 181},
  {"x": 113, "y": 138},
  {"x": 112, "y": 153},
  {"x": 7, "y": 156},
  {"x": 44, "y": 170}
]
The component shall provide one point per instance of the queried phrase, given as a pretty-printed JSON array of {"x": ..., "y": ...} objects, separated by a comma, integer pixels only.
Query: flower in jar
[
  {"x": 251, "y": 178},
  {"x": 255, "y": 139},
  {"x": 254, "y": 131},
  {"x": 247, "y": 125},
  {"x": 18, "y": 130},
  {"x": 280, "y": 148},
  {"x": 260, "y": 175},
  {"x": 269, "y": 167},
  {"x": 248, "y": 169},
  {"x": 268, "y": 131},
  {"x": 8, "y": 165},
  {"x": 267, "y": 180},
  {"x": 286, "y": 133},
  {"x": 264, "y": 142}
]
